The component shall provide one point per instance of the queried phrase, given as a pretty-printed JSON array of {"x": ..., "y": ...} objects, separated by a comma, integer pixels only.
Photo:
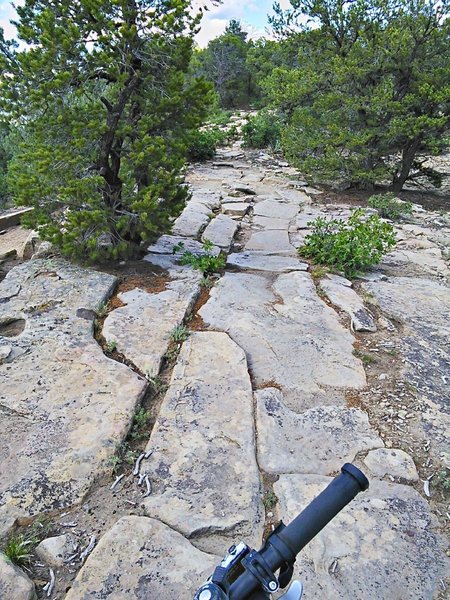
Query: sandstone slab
[
  {"x": 141, "y": 329},
  {"x": 344, "y": 297},
  {"x": 380, "y": 546},
  {"x": 275, "y": 209},
  {"x": 65, "y": 406},
  {"x": 290, "y": 336},
  {"x": 192, "y": 220},
  {"x": 270, "y": 242},
  {"x": 261, "y": 262},
  {"x": 203, "y": 468},
  {"x": 236, "y": 209},
  {"x": 319, "y": 440},
  {"x": 142, "y": 558},
  {"x": 271, "y": 223},
  {"x": 390, "y": 461},
  {"x": 14, "y": 583},
  {"x": 221, "y": 231}
]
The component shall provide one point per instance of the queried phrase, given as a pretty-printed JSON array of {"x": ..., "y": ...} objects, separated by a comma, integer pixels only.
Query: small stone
[
  {"x": 14, "y": 584},
  {"x": 237, "y": 209},
  {"x": 5, "y": 351},
  {"x": 55, "y": 550},
  {"x": 382, "y": 377},
  {"x": 397, "y": 463}
]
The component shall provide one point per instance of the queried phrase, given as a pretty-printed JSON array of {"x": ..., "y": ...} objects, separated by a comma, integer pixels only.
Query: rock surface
[
  {"x": 142, "y": 558},
  {"x": 345, "y": 298},
  {"x": 319, "y": 440},
  {"x": 141, "y": 329},
  {"x": 64, "y": 406},
  {"x": 423, "y": 308},
  {"x": 14, "y": 583},
  {"x": 275, "y": 210},
  {"x": 270, "y": 242},
  {"x": 390, "y": 461},
  {"x": 199, "y": 447},
  {"x": 260, "y": 262},
  {"x": 236, "y": 209},
  {"x": 221, "y": 231},
  {"x": 385, "y": 536},
  {"x": 290, "y": 336}
]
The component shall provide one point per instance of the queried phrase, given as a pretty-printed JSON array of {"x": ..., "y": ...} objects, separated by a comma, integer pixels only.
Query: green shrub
[
  {"x": 389, "y": 207},
  {"x": 207, "y": 263},
  {"x": 350, "y": 246},
  {"x": 18, "y": 549},
  {"x": 204, "y": 144},
  {"x": 262, "y": 131}
]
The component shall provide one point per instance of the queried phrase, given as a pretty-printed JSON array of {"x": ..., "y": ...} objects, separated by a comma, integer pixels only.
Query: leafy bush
[
  {"x": 350, "y": 246},
  {"x": 204, "y": 144},
  {"x": 389, "y": 207},
  {"x": 262, "y": 131}
]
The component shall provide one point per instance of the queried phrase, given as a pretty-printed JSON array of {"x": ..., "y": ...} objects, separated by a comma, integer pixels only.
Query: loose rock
[
  {"x": 55, "y": 550},
  {"x": 14, "y": 584},
  {"x": 397, "y": 463}
]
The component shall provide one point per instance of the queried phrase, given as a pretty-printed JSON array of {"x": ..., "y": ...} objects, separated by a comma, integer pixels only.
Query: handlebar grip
[
  {"x": 306, "y": 525},
  {"x": 324, "y": 508}
]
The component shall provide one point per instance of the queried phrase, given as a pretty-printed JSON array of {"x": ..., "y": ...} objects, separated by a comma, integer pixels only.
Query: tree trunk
[{"x": 408, "y": 154}]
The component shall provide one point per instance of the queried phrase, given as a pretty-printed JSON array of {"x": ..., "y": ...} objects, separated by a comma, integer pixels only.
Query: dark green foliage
[
  {"x": 203, "y": 144},
  {"x": 389, "y": 207},
  {"x": 101, "y": 95},
  {"x": 350, "y": 246},
  {"x": 263, "y": 130},
  {"x": 6, "y": 153},
  {"x": 371, "y": 92},
  {"x": 224, "y": 63}
]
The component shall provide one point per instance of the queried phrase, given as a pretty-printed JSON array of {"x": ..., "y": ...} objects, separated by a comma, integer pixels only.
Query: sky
[{"x": 252, "y": 14}]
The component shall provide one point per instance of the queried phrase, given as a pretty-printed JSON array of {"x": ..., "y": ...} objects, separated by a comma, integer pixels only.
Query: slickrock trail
[{"x": 284, "y": 379}]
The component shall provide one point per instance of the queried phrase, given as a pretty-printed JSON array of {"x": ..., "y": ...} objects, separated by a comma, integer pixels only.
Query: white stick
[
  {"x": 88, "y": 549},
  {"x": 137, "y": 466},
  {"x": 51, "y": 585},
  {"x": 117, "y": 481}
]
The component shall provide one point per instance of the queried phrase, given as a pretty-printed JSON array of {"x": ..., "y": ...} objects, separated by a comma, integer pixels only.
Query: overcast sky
[{"x": 252, "y": 14}]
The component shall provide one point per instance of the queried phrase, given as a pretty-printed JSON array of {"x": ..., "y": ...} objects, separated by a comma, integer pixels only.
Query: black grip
[{"x": 306, "y": 525}]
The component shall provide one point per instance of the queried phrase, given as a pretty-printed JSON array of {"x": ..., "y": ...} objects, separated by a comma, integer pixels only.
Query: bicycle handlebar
[{"x": 304, "y": 527}]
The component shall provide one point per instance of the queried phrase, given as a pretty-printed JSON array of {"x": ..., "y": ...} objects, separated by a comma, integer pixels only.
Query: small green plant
[
  {"x": 207, "y": 282},
  {"x": 115, "y": 462},
  {"x": 140, "y": 424},
  {"x": 318, "y": 271},
  {"x": 262, "y": 130},
  {"x": 179, "y": 333},
  {"x": 389, "y": 207},
  {"x": 350, "y": 246},
  {"x": 111, "y": 346},
  {"x": 270, "y": 499},
  {"x": 158, "y": 384},
  {"x": 442, "y": 479},
  {"x": 102, "y": 310},
  {"x": 18, "y": 548},
  {"x": 207, "y": 262},
  {"x": 366, "y": 359}
]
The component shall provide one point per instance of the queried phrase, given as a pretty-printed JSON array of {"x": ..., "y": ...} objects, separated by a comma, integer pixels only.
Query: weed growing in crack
[
  {"x": 19, "y": 548},
  {"x": 366, "y": 359},
  {"x": 111, "y": 346},
  {"x": 140, "y": 424},
  {"x": 102, "y": 309},
  {"x": 158, "y": 384},
  {"x": 269, "y": 500},
  {"x": 179, "y": 333}
]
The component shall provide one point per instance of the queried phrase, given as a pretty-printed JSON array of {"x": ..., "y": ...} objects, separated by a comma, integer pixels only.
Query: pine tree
[
  {"x": 371, "y": 96},
  {"x": 101, "y": 98}
]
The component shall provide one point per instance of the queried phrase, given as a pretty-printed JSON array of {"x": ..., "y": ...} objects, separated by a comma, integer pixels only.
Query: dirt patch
[
  {"x": 137, "y": 274},
  {"x": 195, "y": 322},
  {"x": 269, "y": 384},
  {"x": 12, "y": 328},
  {"x": 270, "y": 502}
]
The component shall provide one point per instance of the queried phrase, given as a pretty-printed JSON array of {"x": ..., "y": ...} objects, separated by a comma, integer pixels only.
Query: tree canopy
[{"x": 105, "y": 111}]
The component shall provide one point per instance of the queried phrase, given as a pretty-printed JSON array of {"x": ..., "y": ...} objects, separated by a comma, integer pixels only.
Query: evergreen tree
[
  {"x": 101, "y": 95},
  {"x": 224, "y": 63},
  {"x": 372, "y": 92}
]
